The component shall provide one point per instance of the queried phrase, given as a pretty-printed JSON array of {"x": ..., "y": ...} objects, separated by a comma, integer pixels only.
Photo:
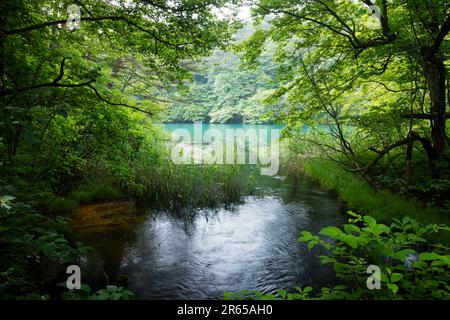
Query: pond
[{"x": 247, "y": 246}]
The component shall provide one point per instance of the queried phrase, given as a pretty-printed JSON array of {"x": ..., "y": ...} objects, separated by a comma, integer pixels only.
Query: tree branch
[
  {"x": 90, "y": 19},
  {"x": 180, "y": 9},
  {"x": 384, "y": 18},
  {"x": 387, "y": 38},
  {"x": 302, "y": 17},
  {"x": 118, "y": 104},
  {"x": 427, "y": 116},
  {"x": 54, "y": 83},
  {"x": 426, "y": 144},
  {"x": 445, "y": 29}
]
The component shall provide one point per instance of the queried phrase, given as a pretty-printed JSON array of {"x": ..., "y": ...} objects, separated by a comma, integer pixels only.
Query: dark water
[{"x": 250, "y": 246}]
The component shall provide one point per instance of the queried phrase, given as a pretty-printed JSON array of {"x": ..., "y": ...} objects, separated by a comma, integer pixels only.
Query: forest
[{"x": 93, "y": 93}]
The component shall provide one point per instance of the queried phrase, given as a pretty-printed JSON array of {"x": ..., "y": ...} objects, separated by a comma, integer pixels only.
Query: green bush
[
  {"x": 61, "y": 204},
  {"x": 111, "y": 292},
  {"x": 26, "y": 239},
  {"x": 411, "y": 267}
]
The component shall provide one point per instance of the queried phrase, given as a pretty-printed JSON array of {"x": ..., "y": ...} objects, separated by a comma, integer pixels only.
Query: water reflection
[{"x": 252, "y": 245}]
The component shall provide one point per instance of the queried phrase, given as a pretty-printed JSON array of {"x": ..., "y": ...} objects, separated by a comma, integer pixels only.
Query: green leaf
[
  {"x": 355, "y": 215},
  {"x": 395, "y": 277},
  {"x": 402, "y": 254},
  {"x": 393, "y": 287},
  {"x": 429, "y": 256},
  {"x": 331, "y": 232},
  {"x": 349, "y": 228},
  {"x": 305, "y": 236},
  {"x": 383, "y": 228},
  {"x": 340, "y": 287},
  {"x": 327, "y": 259},
  {"x": 349, "y": 239},
  {"x": 420, "y": 264},
  {"x": 369, "y": 221},
  {"x": 282, "y": 293},
  {"x": 307, "y": 289},
  {"x": 111, "y": 288},
  {"x": 85, "y": 288}
]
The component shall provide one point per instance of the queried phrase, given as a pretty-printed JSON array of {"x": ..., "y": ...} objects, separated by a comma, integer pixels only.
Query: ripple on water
[{"x": 250, "y": 246}]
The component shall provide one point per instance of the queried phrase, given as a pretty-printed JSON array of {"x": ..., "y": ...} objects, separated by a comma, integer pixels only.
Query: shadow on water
[{"x": 248, "y": 246}]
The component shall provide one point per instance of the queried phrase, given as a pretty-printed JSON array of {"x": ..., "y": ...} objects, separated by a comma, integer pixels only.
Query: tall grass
[
  {"x": 194, "y": 186},
  {"x": 148, "y": 173},
  {"x": 189, "y": 186},
  {"x": 359, "y": 196}
]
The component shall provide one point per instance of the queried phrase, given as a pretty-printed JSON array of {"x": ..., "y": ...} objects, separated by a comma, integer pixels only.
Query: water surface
[{"x": 248, "y": 246}]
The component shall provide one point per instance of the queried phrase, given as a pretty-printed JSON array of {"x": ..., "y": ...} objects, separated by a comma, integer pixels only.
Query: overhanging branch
[
  {"x": 426, "y": 116},
  {"x": 111, "y": 18},
  {"x": 426, "y": 144},
  {"x": 118, "y": 104},
  {"x": 54, "y": 83},
  {"x": 445, "y": 29}
]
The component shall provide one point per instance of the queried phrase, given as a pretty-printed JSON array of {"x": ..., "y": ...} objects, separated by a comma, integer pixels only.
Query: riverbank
[
  {"x": 359, "y": 196},
  {"x": 176, "y": 187}
]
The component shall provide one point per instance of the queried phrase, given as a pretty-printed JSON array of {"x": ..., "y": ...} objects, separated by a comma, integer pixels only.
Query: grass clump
[
  {"x": 62, "y": 204},
  {"x": 91, "y": 191},
  {"x": 195, "y": 186}
]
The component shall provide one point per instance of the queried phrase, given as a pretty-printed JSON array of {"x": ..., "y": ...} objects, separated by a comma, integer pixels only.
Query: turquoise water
[{"x": 222, "y": 128}]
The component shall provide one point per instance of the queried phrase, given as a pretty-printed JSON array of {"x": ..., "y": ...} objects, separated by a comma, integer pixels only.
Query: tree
[
  {"x": 340, "y": 64},
  {"x": 58, "y": 85},
  {"x": 223, "y": 90}
]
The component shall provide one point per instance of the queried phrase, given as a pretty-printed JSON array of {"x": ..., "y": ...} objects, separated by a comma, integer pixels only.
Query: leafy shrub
[
  {"x": 111, "y": 292},
  {"x": 411, "y": 266},
  {"x": 26, "y": 240}
]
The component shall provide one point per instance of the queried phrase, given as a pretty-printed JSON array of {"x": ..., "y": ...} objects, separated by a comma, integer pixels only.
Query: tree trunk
[{"x": 435, "y": 74}]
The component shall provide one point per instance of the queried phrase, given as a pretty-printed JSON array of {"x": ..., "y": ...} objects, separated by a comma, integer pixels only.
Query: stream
[{"x": 248, "y": 246}]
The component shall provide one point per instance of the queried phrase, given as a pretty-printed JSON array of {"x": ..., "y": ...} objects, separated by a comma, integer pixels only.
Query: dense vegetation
[
  {"x": 372, "y": 87},
  {"x": 364, "y": 96},
  {"x": 405, "y": 273},
  {"x": 224, "y": 91},
  {"x": 77, "y": 113}
]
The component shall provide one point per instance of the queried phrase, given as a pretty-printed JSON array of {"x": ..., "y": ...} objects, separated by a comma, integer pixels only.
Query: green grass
[
  {"x": 194, "y": 186},
  {"x": 359, "y": 196},
  {"x": 175, "y": 187},
  {"x": 61, "y": 204},
  {"x": 85, "y": 193},
  {"x": 90, "y": 191}
]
